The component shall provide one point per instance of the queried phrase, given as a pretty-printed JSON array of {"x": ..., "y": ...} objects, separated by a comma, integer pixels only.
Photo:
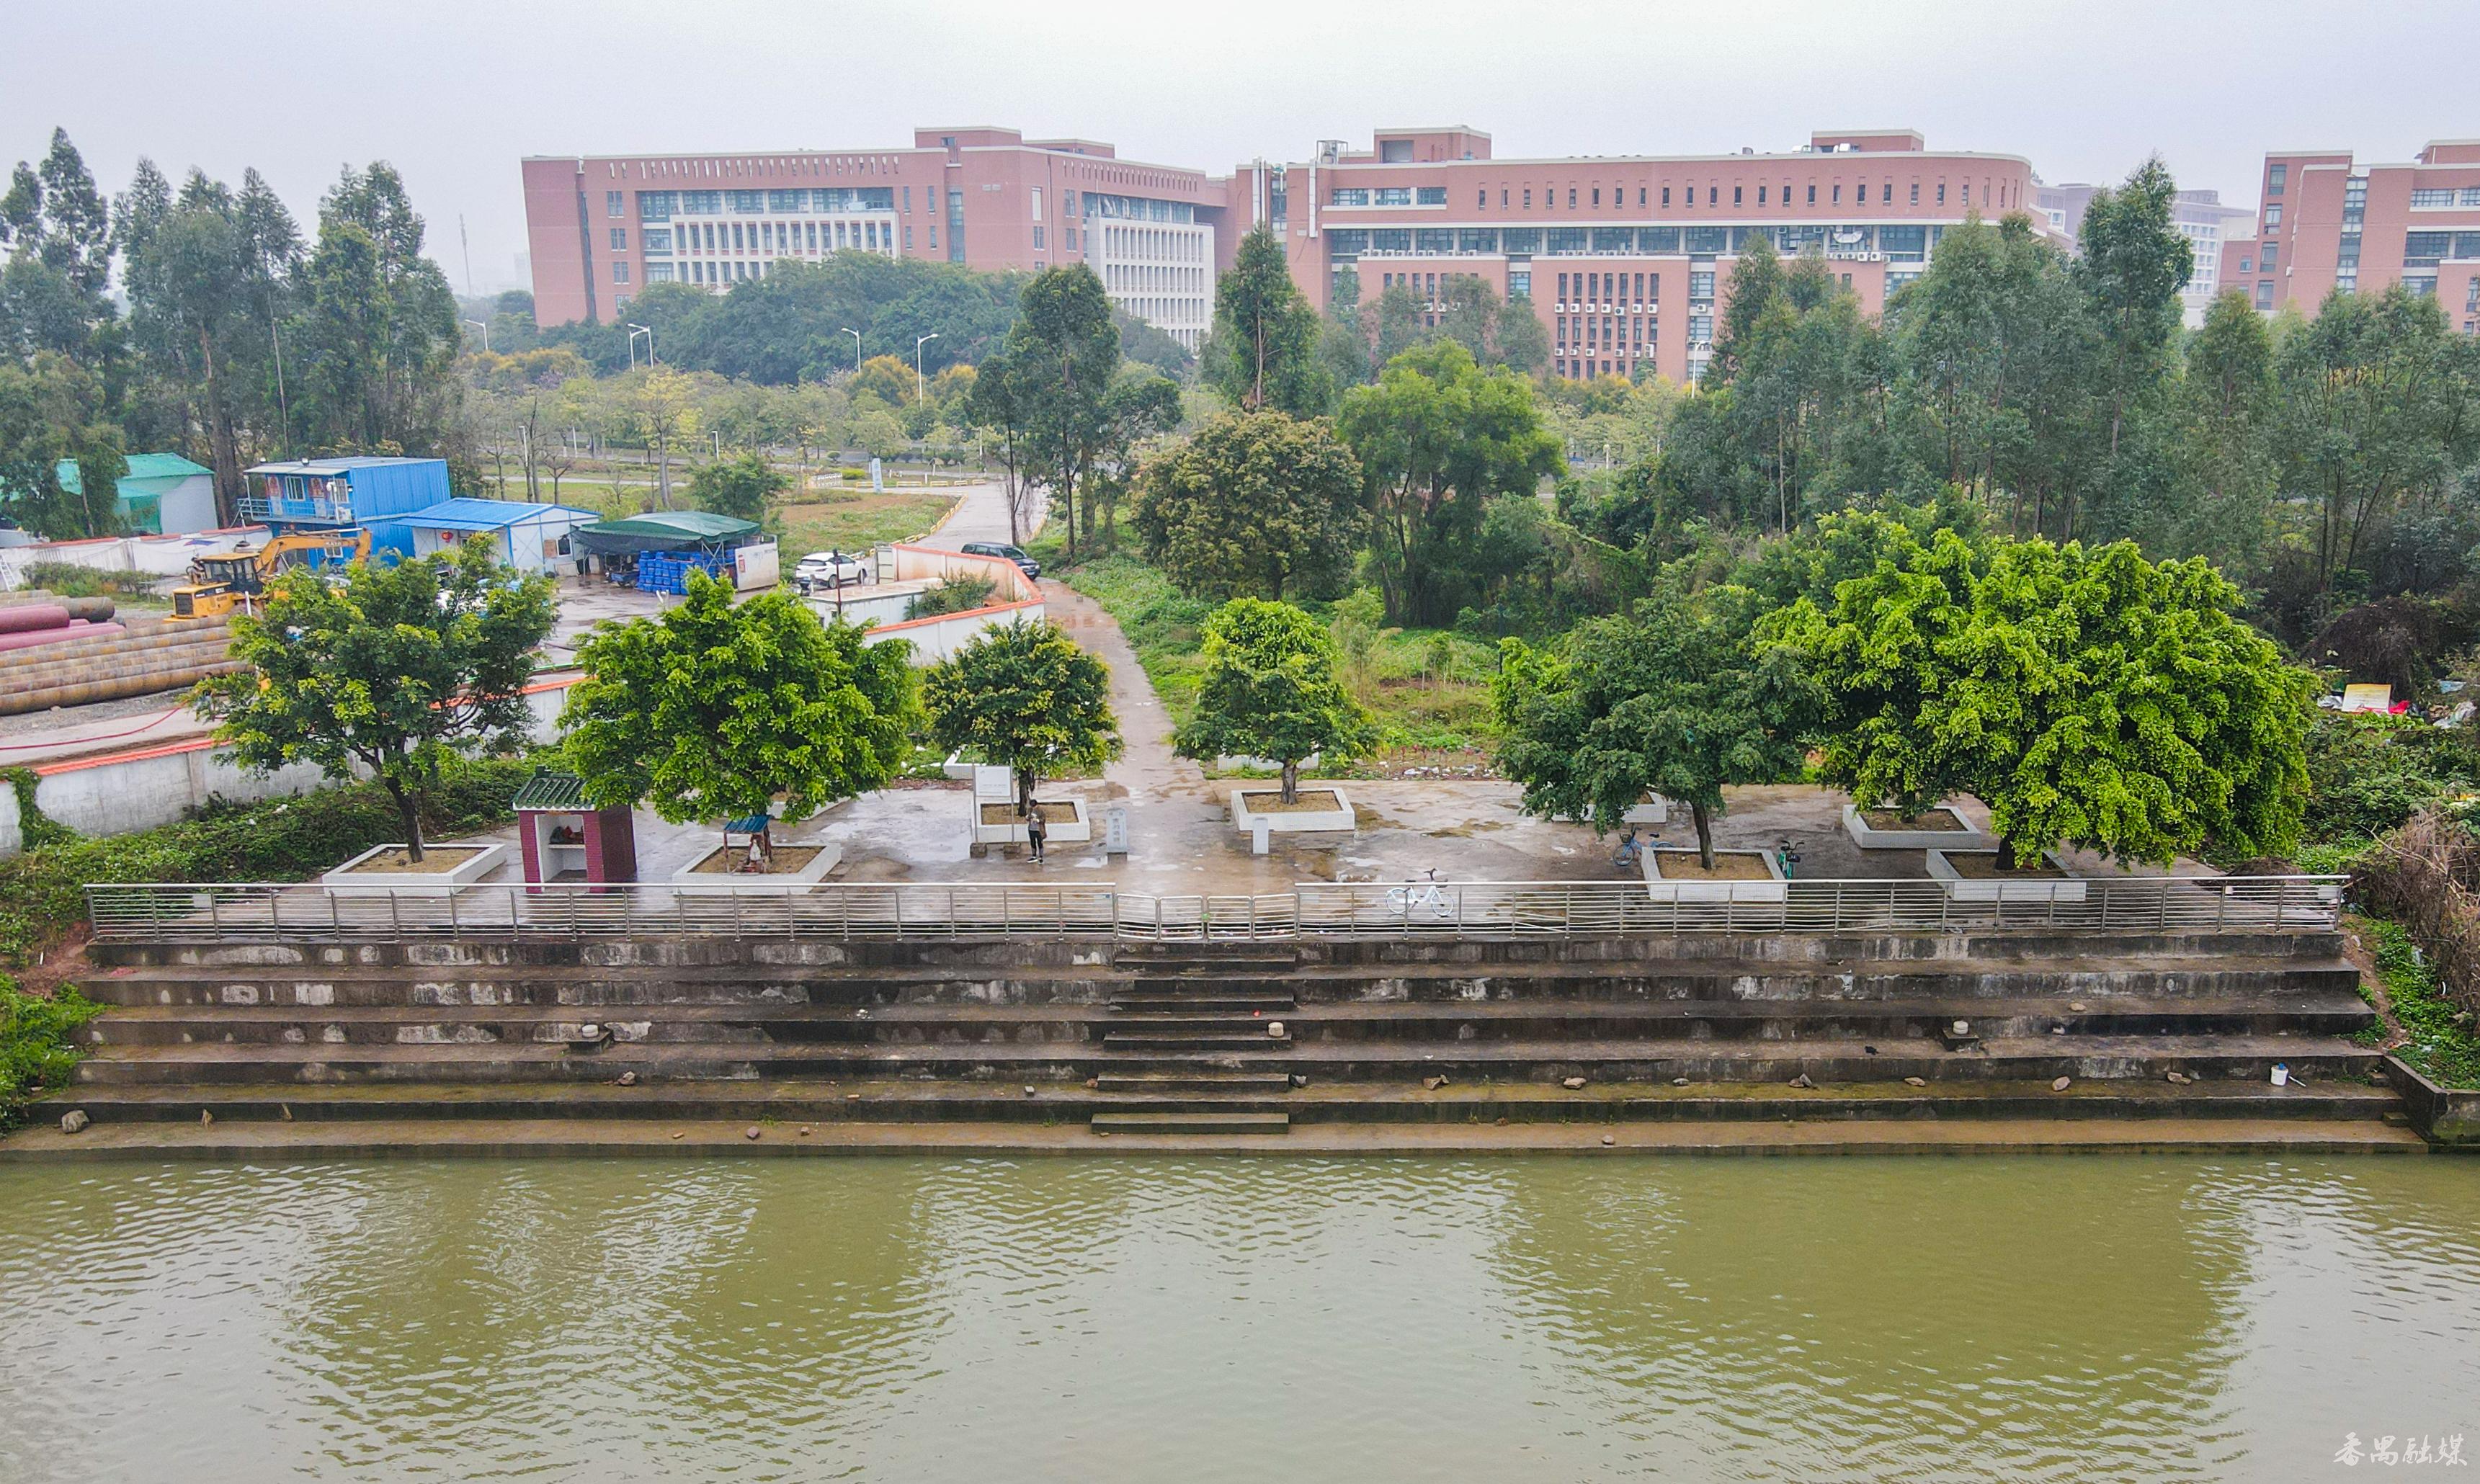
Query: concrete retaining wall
[{"x": 149, "y": 787}]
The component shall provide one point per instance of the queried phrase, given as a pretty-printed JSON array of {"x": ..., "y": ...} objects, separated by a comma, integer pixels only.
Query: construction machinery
[{"x": 220, "y": 585}]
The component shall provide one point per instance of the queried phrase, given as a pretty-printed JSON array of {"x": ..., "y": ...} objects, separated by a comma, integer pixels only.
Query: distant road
[{"x": 983, "y": 518}]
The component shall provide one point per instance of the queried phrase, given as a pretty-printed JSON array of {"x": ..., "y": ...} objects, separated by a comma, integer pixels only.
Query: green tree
[
  {"x": 379, "y": 330},
  {"x": 2378, "y": 403},
  {"x": 1675, "y": 697},
  {"x": 53, "y": 409},
  {"x": 2090, "y": 697},
  {"x": 740, "y": 487},
  {"x": 1066, "y": 355},
  {"x": 2133, "y": 264},
  {"x": 1756, "y": 283},
  {"x": 1023, "y": 697},
  {"x": 716, "y": 710},
  {"x": 2226, "y": 407},
  {"x": 1259, "y": 503},
  {"x": 1266, "y": 335},
  {"x": 998, "y": 405},
  {"x": 1270, "y": 690},
  {"x": 1436, "y": 437},
  {"x": 391, "y": 672}
]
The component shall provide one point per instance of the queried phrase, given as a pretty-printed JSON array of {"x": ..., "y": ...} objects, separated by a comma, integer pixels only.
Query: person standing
[{"x": 1034, "y": 833}]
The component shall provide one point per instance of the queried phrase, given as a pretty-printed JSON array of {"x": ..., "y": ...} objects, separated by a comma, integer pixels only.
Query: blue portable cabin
[
  {"x": 527, "y": 536},
  {"x": 326, "y": 493}
]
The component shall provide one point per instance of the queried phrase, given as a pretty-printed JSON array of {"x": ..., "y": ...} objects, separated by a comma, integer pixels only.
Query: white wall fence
[
  {"x": 145, "y": 788},
  {"x": 183, "y": 912},
  {"x": 160, "y": 556}
]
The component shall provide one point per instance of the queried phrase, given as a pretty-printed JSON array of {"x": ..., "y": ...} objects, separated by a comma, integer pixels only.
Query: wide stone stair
[{"x": 1214, "y": 1038}]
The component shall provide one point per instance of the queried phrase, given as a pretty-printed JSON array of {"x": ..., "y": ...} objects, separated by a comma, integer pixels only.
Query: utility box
[{"x": 1115, "y": 829}]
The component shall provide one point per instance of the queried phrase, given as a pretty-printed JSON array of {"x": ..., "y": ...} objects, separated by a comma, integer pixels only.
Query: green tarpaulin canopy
[{"x": 665, "y": 530}]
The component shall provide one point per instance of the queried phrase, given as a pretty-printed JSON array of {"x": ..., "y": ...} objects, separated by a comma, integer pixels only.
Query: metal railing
[{"x": 267, "y": 911}]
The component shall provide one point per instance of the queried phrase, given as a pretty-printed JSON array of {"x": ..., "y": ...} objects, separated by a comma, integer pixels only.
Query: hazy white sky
[{"x": 454, "y": 91}]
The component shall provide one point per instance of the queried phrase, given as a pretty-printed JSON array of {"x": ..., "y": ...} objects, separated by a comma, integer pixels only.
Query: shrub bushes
[{"x": 36, "y": 1053}]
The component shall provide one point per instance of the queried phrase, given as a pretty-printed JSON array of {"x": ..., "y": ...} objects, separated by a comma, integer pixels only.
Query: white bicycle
[{"x": 1416, "y": 896}]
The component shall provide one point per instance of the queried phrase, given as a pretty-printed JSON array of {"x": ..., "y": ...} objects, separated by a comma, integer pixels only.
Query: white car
[{"x": 829, "y": 569}]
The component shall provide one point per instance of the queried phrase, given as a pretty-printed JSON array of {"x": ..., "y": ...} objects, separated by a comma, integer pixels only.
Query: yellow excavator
[{"x": 220, "y": 585}]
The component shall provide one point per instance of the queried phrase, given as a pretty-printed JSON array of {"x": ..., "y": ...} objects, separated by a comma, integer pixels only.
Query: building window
[
  {"x": 2273, "y": 216},
  {"x": 1037, "y": 240},
  {"x": 1941, "y": 200},
  {"x": 1739, "y": 194},
  {"x": 612, "y": 203},
  {"x": 1916, "y": 193},
  {"x": 1347, "y": 196},
  {"x": 1666, "y": 196},
  {"x": 1712, "y": 196},
  {"x": 907, "y": 237},
  {"x": 2275, "y": 177},
  {"x": 2266, "y": 258},
  {"x": 619, "y": 272},
  {"x": 2247, "y": 265},
  {"x": 1572, "y": 196},
  {"x": 619, "y": 239},
  {"x": 1481, "y": 199},
  {"x": 2265, "y": 294},
  {"x": 2432, "y": 197},
  {"x": 1430, "y": 196},
  {"x": 1838, "y": 193},
  {"x": 1761, "y": 195},
  {"x": 1528, "y": 198},
  {"x": 1812, "y": 193}
]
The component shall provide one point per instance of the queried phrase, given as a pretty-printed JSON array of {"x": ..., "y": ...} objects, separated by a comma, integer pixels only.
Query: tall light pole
[
  {"x": 856, "y": 335},
  {"x": 919, "y": 395},
  {"x": 635, "y": 331},
  {"x": 486, "y": 333}
]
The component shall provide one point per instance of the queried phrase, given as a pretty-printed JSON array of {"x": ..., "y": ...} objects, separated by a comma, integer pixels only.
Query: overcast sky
[{"x": 454, "y": 91}]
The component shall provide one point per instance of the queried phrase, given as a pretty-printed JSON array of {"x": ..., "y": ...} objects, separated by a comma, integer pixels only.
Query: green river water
[{"x": 1138, "y": 1319}]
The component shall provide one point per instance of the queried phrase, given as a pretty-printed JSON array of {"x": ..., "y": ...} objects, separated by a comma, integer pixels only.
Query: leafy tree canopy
[
  {"x": 716, "y": 711},
  {"x": 738, "y": 487},
  {"x": 394, "y": 671},
  {"x": 1259, "y": 503},
  {"x": 2090, "y": 697},
  {"x": 1674, "y": 698},
  {"x": 1270, "y": 690},
  {"x": 1024, "y": 697}
]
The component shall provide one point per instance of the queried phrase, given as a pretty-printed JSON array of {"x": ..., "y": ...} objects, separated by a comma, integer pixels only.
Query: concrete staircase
[{"x": 1175, "y": 1039}]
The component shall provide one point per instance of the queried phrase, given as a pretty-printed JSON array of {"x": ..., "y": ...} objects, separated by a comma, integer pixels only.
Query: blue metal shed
[
  {"x": 354, "y": 491},
  {"x": 530, "y": 537}
]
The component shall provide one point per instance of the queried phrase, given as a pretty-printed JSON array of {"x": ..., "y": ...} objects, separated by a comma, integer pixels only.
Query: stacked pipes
[{"x": 69, "y": 653}]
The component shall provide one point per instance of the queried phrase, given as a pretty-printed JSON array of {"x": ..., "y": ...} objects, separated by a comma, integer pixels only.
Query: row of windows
[
  {"x": 2446, "y": 195},
  {"x": 1585, "y": 370},
  {"x": 1387, "y": 195},
  {"x": 770, "y": 238},
  {"x": 1905, "y": 243},
  {"x": 1577, "y": 197},
  {"x": 2423, "y": 249},
  {"x": 665, "y": 205},
  {"x": 1596, "y": 288},
  {"x": 1151, "y": 243}
]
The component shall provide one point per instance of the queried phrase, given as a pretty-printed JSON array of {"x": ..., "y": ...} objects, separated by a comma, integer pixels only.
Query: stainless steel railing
[{"x": 260, "y": 912}]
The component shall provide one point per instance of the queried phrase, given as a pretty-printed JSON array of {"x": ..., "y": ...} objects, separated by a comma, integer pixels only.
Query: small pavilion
[{"x": 564, "y": 839}]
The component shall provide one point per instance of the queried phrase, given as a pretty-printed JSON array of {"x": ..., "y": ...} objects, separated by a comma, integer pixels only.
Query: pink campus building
[
  {"x": 2325, "y": 224},
  {"x": 1621, "y": 256},
  {"x": 601, "y": 229}
]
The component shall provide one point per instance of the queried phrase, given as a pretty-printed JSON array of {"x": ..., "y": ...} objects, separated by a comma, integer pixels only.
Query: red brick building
[{"x": 2325, "y": 224}]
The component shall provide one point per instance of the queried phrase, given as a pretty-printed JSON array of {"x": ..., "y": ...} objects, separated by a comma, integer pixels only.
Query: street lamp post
[
  {"x": 635, "y": 331},
  {"x": 919, "y": 394},
  {"x": 856, "y": 335},
  {"x": 486, "y": 333}
]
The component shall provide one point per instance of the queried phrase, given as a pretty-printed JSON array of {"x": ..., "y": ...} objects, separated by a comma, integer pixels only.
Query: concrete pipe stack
[{"x": 82, "y": 656}]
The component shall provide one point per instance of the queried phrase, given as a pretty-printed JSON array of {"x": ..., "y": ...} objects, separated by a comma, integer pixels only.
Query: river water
[{"x": 1138, "y": 1319}]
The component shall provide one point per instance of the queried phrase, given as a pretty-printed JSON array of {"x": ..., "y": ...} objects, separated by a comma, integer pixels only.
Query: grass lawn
[
  {"x": 859, "y": 519},
  {"x": 1416, "y": 710}
]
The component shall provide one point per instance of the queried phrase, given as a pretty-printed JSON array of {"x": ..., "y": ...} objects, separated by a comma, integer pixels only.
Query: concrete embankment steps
[{"x": 1392, "y": 1035}]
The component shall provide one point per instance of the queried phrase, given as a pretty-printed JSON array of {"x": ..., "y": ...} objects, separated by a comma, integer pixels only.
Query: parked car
[
  {"x": 829, "y": 569},
  {"x": 1024, "y": 563}
]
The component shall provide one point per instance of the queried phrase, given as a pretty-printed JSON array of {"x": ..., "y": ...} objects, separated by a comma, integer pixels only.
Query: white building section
[{"x": 1159, "y": 271}]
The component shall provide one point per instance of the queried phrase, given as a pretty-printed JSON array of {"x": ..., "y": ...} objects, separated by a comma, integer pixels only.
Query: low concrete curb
[
  {"x": 2449, "y": 1117},
  {"x": 551, "y": 1139}
]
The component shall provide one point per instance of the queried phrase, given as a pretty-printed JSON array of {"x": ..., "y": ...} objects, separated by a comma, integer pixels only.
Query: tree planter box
[
  {"x": 1961, "y": 838},
  {"x": 1654, "y": 810},
  {"x": 690, "y": 880},
  {"x": 1296, "y": 821},
  {"x": 1077, "y": 829},
  {"x": 457, "y": 867},
  {"x": 1967, "y": 889},
  {"x": 1773, "y": 888}
]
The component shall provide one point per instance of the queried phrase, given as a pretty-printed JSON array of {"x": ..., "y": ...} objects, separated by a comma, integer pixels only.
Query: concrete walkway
[{"x": 555, "y": 1138}]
